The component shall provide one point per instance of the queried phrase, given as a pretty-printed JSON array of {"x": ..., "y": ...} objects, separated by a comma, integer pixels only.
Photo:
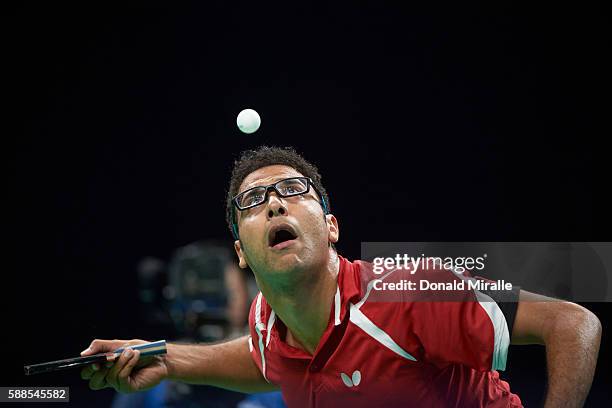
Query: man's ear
[
  {"x": 333, "y": 234},
  {"x": 241, "y": 259}
]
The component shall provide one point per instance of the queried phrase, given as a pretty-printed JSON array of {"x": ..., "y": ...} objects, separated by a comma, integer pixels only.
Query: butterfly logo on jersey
[{"x": 353, "y": 380}]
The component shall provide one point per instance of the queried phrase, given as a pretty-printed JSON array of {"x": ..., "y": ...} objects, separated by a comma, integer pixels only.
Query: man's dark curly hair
[{"x": 251, "y": 160}]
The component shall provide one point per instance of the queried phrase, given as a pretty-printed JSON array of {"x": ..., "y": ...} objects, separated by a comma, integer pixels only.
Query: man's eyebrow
[{"x": 274, "y": 180}]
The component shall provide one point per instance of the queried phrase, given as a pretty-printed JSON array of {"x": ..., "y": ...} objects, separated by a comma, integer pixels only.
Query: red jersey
[{"x": 389, "y": 353}]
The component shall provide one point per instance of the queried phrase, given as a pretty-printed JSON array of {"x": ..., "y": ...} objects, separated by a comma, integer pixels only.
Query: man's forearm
[
  {"x": 572, "y": 346},
  {"x": 227, "y": 365}
]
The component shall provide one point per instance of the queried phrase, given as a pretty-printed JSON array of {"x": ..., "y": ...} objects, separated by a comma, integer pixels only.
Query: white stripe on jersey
[
  {"x": 500, "y": 325},
  {"x": 337, "y": 307},
  {"x": 360, "y": 320},
  {"x": 258, "y": 327},
  {"x": 269, "y": 328}
]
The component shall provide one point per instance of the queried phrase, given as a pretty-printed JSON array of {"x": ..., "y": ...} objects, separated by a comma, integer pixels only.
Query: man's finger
[
  {"x": 88, "y": 371},
  {"x": 101, "y": 346},
  {"x": 124, "y": 374},
  {"x": 119, "y": 364},
  {"x": 98, "y": 380}
]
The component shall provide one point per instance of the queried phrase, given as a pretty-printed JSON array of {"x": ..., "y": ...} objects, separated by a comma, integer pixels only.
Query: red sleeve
[
  {"x": 472, "y": 331},
  {"x": 456, "y": 332}
]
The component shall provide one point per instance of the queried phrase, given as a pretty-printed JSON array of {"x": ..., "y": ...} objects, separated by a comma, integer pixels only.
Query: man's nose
[{"x": 276, "y": 205}]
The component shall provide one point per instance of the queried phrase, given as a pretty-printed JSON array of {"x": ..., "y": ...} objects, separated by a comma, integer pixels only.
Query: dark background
[{"x": 456, "y": 122}]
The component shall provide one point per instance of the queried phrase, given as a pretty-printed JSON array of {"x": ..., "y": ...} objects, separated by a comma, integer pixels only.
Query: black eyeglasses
[{"x": 288, "y": 187}]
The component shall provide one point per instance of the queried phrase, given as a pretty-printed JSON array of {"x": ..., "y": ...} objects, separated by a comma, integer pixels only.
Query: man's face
[{"x": 284, "y": 234}]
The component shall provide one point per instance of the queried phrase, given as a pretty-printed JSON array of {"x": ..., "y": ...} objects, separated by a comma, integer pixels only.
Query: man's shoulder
[
  {"x": 357, "y": 267},
  {"x": 355, "y": 274}
]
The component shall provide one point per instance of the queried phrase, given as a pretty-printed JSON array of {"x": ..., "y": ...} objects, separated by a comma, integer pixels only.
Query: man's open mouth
[{"x": 280, "y": 235}]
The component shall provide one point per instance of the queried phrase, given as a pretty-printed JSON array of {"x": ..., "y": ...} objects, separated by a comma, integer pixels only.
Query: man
[{"x": 315, "y": 335}]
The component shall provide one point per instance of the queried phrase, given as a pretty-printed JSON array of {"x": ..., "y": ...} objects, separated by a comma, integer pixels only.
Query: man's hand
[
  {"x": 128, "y": 373},
  {"x": 227, "y": 365}
]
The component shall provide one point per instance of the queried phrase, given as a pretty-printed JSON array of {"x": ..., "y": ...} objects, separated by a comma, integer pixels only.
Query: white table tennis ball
[{"x": 248, "y": 121}]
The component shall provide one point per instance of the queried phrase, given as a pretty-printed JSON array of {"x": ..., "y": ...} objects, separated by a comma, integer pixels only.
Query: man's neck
[{"x": 306, "y": 311}]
